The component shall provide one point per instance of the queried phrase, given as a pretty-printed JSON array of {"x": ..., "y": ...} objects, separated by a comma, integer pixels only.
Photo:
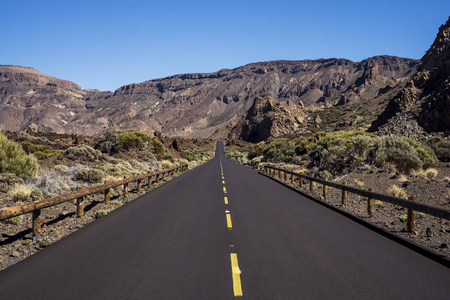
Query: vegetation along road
[{"x": 223, "y": 231}]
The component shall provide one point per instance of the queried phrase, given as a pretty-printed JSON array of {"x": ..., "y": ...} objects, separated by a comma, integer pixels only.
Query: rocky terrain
[
  {"x": 424, "y": 103},
  {"x": 190, "y": 105},
  {"x": 268, "y": 118}
]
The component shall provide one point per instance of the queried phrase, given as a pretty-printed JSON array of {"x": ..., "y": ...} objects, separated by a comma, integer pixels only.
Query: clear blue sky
[{"x": 106, "y": 44}]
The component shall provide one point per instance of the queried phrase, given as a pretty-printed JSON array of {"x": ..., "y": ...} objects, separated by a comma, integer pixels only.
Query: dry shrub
[
  {"x": 397, "y": 191},
  {"x": 50, "y": 182},
  {"x": 431, "y": 173},
  {"x": 359, "y": 183},
  {"x": 20, "y": 193},
  {"x": 402, "y": 178}
]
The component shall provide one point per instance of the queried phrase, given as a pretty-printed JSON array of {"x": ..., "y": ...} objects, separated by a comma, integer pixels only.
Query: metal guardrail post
[
  {"x": 325, "y": 192},
  {"x": 301, "y": 181},
  {"x": 311, "y": 186},
  {"x": 411, "y": 223}
]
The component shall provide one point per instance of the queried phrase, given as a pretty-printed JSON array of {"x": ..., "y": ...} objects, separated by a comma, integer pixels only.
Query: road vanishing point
[{"x": 222, "y": 231}]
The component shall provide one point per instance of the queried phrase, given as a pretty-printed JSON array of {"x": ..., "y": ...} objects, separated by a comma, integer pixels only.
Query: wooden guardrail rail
[
  {"x": 36, "y": 206},
  {"x": 411, "y": 204}
]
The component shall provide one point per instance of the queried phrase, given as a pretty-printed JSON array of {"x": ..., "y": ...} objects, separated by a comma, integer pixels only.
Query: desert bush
[
  {"x": 279, "y": 150},
  {"x": 191, "y": 154},
  {"x": 50, "y": 182},
  {"x": 256, "y": 161},
  {"x": 8, "y": 181},
  {"x": 397, "y": 191},
  {"x": 425, "y": 153},
  {"x": 431, "y": 173},
  {"x": 324, "y": 174},
  {"x": 403, "y": 218},
  {"x": 165, "y": 164},
  {"x": 90, "y": 175},
  {"x": 397, "y": 151},
  {"x": 341, "y": 151},
  {"x": 83, "y": 153},
  {"x": 45, "y": 242},
  {"x": 138, "y": 166},
  {"x": 100, "y": 213},
  {"x": 40, "y": 151},
  {"x": 428, "y": 173},
  {"x": 119, "y": 141},
  {"x": 441, "y": 148},
  {"x": 20, "y": 193},
  {"x": 13, "y": 159},
  {"x": 256, "y": 150}
]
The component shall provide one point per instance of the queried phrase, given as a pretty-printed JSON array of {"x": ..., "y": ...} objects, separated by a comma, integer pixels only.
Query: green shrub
[
  {"x": 256, "y": 150},
  {"x": 40, "y": 151},
  {"x": 425, "y": 153},
  {"x": 192, "y": 154},
  {"x": 119, "y": 141},
  {"x": 340, "y": 151},
  {"x": 324, "y": 174},
  {"x": 390, "y": 149},
  {"x": 100, "y": 213},
  {"x": 90, "y": 175},
  {"x": 13, "y": 159},
  {"x": 83, "y": 153},
  {"x": 45, "y": 242},
  {"x": 441, "y": 148}
]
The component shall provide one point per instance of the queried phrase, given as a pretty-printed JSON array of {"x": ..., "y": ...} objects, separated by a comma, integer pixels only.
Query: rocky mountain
[
  {"x": 29, "y": 98},
  {"x": 190, "y": 105},
  {"x": 424, "y": 103},
  {"x": 268, "y": 118}
]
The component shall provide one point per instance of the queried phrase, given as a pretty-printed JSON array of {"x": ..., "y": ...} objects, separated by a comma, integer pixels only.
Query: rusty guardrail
[
  {"x": 36, "y": 206},
  {"x": 411, "y": 204}
]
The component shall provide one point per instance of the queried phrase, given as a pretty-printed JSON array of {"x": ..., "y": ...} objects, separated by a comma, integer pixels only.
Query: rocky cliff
[
  {"x": 268, "y": 118},
  {"x": 424, "y": 102},
  {"x": 190, "y": 105}
]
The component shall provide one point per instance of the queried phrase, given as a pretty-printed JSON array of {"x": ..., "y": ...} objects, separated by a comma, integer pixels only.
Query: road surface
[{"x": 205, "y": 235}]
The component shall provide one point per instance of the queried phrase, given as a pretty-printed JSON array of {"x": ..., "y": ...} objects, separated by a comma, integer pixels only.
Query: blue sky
[{"x": 106, "y": 44}]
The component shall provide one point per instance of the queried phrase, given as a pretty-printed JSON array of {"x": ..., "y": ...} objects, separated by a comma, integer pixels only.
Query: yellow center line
[
  {"x": 237, "y": 288},
  {"x": 229, "y": 225},
  {"x": 226, "y": 200},
  {"x": 224, "y": 189},
  {"x": 223, "y": 181}
]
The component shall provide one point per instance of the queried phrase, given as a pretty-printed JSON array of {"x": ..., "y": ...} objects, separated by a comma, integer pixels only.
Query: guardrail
[
  {"x": 410, "y": 204},
  {"x": 36, "y": 206}
]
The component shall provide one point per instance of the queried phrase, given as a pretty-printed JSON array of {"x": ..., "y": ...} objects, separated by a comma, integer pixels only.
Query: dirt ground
[{"x": 431, "y": 232}]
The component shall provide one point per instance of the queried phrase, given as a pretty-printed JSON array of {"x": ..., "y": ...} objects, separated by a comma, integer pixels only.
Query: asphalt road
[{"x": 185, "y": 240}]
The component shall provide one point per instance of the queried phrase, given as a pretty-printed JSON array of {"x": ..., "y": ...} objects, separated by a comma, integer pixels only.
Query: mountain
[
  {"x": 268, "y": 118},
  {"x": 190, "y": 105},
  {"x": 423, "y": 105},
  {"x": 29, "y": 98}
]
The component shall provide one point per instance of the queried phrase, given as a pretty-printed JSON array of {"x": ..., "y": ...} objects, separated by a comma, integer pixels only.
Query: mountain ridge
[{"x": 195, "y": 104}]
